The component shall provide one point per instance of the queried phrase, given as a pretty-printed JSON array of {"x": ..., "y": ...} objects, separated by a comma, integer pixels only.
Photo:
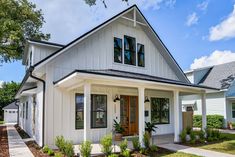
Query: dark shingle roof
[
  {"x": 220, "y": 76},
  {"x": 11, "y": 106}
]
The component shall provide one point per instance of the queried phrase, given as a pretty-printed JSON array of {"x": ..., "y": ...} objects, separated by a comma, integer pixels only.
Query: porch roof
[{"x": 131, "y": 75}]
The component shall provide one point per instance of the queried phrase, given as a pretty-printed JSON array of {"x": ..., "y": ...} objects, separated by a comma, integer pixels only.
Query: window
[
  {"x": 9, "y": 111},
  {"x": 117, "y": 50},
  {"x": 160, "y": 110},
  {"x": 98, "y": 111},
  {"x": 140, "y": 53},
  {"x": 129, "y": 50},
  {"x": 233, "y": 110},
  {"x": 79, "y": 116},
  {"x": 27, "y": 106},
  {"x": 23, "y": 109}
]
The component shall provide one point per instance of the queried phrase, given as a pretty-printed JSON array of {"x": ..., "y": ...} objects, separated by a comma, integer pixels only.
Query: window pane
[
  {"x": 26, "y": 109},
  {"x": 140, "y": 51},
  {"x": 99, "y": 111},
  {"x": 233, "y": 106},
  {"x": 160, "y": 110},
  {"x": 117, "y": 50},
  {"x": 79, "y": 99},
  {"x": 130, "y": 50}
]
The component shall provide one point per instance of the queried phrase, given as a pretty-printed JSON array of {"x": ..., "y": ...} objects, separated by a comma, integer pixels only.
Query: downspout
[{"x": 43, "y": 102}]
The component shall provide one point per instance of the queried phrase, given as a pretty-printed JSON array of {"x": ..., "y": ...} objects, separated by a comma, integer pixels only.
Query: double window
[
  {"x": 133, "y": 54},
  {"x": 160, "y": 110},
  {"x": 98, "y": 111},
  {"x": 233, "y": 110}
]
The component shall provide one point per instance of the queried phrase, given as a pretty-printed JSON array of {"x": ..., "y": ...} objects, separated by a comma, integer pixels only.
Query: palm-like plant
[
  {"x": 118, "y": 128},
  {"x": 150, "y": 127}
]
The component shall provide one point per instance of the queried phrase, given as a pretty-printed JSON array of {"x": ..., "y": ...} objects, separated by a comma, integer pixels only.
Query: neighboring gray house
[
  {"x": 222, "y": 102},
  {"x": 10, "y": 113}
]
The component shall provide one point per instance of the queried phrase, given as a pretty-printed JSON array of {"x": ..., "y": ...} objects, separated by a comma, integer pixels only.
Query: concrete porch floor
[{"x": 157, "y": 140}]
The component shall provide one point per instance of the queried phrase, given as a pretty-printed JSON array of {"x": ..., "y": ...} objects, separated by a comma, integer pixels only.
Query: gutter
[{"x": 43, "y": 101}]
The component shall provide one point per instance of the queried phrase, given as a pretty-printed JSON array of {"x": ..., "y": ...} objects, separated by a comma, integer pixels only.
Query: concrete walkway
[
  {"x": 17, "y": 147},
  {"x": 195, "y": 151}
]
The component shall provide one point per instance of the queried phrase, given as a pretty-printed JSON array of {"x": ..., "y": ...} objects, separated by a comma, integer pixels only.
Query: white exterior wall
[
  {"x": 96, "y": 52},
  {"x": 10, "y": 115},
  {"x": 61, "y": 115}
]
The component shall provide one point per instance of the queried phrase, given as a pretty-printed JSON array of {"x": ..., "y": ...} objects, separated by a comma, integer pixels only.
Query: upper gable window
[
  {"x": 129, "y": 50},
  {"x": 140, "y": 53},
  {"x": 118, "y": 50}
]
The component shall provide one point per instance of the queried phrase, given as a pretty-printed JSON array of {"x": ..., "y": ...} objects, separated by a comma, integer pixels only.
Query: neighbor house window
[
  {"x": 98, "y": 111},
  {"x": 79, "y": 111},
  {"x": 117, "y": 50},
  {"x": 140, "y": 53},
  {"x": 23, "y": 109},
  {"x": 160, "y": 110},
  {"x": 129, "y": 50},
  {"x": 233, "y": 110},
  {"x": 27, "y": 107}
]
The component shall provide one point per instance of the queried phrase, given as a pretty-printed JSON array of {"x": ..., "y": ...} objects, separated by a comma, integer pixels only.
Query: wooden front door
[{"x": 129, "y": 114}]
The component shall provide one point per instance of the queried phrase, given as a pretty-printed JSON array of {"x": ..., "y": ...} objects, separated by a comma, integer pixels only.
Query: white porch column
[
  {"x": 87, "y": 110},
  {"x": 204, "y": 121},
  {"x": 177, "y": 112},
  {"x": 141, "y": 114}
]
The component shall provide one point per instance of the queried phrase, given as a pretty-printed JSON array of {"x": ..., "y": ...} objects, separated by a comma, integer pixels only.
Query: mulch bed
[
  {"x": 4, "y": 149},
  {"x": 35, "y": 149},
  {"x": 21, "y": 132}
]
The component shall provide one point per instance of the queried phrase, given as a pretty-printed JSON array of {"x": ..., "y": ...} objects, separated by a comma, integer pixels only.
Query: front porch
[{"x": 94, "y": 124}]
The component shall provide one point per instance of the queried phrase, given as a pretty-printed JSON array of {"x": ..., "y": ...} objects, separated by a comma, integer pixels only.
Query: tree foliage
[
  {"x": 7, "y": 93},
  {"x": 93, "y": 2},
  {"x": 19, "y": 20}
]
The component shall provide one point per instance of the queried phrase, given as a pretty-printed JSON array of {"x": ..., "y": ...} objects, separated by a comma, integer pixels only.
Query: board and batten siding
[{"x": 96, "y": 52}]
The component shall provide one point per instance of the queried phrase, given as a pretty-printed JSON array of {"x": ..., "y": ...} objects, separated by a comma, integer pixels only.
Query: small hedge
[{"x": 213, "y": 121}]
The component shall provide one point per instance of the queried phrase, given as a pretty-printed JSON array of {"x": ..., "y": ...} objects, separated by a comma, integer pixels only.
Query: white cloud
[
  {"x": 225, "y": 29},
  {"x": 192, "y": 19},
  {"x": 216, "y": 57},
  {"x": 66, "y": 20},
  {"x": 203, "y": 6}
]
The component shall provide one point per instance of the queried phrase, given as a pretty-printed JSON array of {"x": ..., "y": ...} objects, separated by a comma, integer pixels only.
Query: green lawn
[
  {"x": 225, "y": 146},
  {"x": 177, "y": 154},
  {"x": 1, "y": 122}
]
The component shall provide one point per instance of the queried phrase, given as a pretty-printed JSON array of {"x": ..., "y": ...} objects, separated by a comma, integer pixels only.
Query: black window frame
[
  {"x": 139, "y": 54},
  {"x": 27, "y": 108},
  {"x": 120, "y": 50},
  {"x": 106, "y": 114},
  {"x": 130, "y": 51},
  {"x": 82, "y": 127},
  {"x": 160, "y": 111},
  {"x": 23, "y": 110},
  {"x": 233, "y": 110}
]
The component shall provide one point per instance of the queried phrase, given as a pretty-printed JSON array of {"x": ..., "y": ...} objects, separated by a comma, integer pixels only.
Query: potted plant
[
  {"x": 230, "y": 125},
  {"x": 150, "y": 127},
  {"x": 118, "y": 130}
]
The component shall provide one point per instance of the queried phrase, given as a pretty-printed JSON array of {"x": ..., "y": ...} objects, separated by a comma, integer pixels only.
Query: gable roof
[
  {"x": 172, "y": 62},
  {"x": 220, "y": 76},
  {"x": 10, "y": 106}
]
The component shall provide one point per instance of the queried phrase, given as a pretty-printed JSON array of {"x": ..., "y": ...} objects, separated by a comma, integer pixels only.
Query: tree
[
  {"x": 93, "y": 2},
  {"x": 7, "y": 94},
  {"x": 19, "y": 20}
]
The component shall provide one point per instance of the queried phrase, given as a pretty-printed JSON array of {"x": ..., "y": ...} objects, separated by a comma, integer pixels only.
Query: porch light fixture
[
  {"x": 146, "y": 99},
  {"x": 116, "y": 98}
]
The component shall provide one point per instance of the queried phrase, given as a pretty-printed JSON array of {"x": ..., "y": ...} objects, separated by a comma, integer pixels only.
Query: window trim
[
  {"x": 122, "y": 60},
  {"x": 106, "y": 112},
  {"x": 160, "y": 123},
  {"x": 79, "y": 94},
  {"x": 233, "y": 110},
  {"x": 124, "y": 49}
]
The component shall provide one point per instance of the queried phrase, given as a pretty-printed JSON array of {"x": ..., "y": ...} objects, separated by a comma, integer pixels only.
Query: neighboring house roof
[
  {"x": 220, "y": 76},
  {"x": 11, "y": 106},
  {"x": 131, "y": 75},
  {"x": 174, "y": 65}
]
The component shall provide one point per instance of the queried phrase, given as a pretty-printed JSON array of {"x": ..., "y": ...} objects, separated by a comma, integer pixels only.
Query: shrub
[
  {"x": 146, "y": 140},
  {"x": 106, "y": 143},
  {"x": 68, "y": 149},
  {"x": 59, "y": 154},
  {"x": 113, "y": 155},
  {"x": 192, "y": 137},
  {"x": 136, "y": 143},
  {"x": 85, "y": 149},
  {"x": 123, "y": 145},
  {"x": 183, "y": 135},
  {"x": 188, "y": 130},
  {"x": 126, "y": 153},
  {"x": 153, "y": 148},
  {"x": 45, "y": 149},
  {"x": 60, "y": 143},
  {"x": 213, "y": 134},
  {"x": 213, "y": 121},
  {"x": 50, "y": 152}
]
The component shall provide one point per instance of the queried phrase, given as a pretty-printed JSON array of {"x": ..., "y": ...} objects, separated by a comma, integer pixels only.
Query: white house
[
  {"x": 222, "y": 102},
  {"x": 10, "y": 113},
  {"x": 77, "y": 90}
]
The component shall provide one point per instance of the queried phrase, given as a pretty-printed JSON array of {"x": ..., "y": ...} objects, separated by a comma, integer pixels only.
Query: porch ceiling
[{"x": 126, "y": 79}]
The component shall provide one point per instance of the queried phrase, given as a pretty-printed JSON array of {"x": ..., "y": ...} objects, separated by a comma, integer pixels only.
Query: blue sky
[{"x": 197, "y": 32}]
